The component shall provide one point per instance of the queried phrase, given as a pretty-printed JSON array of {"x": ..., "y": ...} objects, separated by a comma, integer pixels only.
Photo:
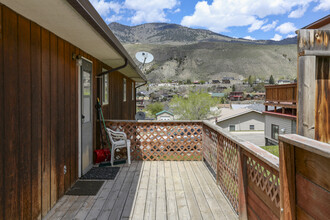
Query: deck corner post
[
  {"x": 287, "y": 180},
  {"x": 242, "y": 184}
]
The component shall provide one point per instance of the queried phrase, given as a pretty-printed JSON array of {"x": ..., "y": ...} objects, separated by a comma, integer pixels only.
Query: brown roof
[{"x": 319, "y": 23}]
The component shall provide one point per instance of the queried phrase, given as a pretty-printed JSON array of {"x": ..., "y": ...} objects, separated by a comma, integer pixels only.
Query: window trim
[
  {"x": 102, "y": 88},
  {"x": 133, "y": 91}
]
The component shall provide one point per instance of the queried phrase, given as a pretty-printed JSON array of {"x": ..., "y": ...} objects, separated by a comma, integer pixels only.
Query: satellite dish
[
  {"x": 140, "y": 116},
  {"x": 144, "y": 57}
]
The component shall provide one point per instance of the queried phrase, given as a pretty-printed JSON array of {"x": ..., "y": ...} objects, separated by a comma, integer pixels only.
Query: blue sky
[{"x": 251, "y": 19}]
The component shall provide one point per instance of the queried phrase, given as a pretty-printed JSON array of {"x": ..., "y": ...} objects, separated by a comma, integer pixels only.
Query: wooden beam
[
  {"x": 242, "y": 184},
  {"x": 287, "y": 179},
  {"x": 321, "y": 53},
  {"x": 306, "y": 94}
]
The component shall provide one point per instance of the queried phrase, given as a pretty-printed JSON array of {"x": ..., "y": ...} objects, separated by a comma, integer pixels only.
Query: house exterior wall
[
  {"x": 161, "y": 116},
  {"x": 243, "y": 122},
  {"x": 39, "y": 116},
  {"x": 282, "y": 122}
]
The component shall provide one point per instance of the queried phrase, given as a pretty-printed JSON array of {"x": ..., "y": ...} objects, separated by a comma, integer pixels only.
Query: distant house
[
  {"x": 236, "y": 96},
  {"x": 228, "y": 78},
  {"x": 164, "y": 116},
  {"x": 283, "y": 81},
  {"x": 241, "y": 120},
  {"x": 217, "y": 95},
  {"x": 225, "y": 81},
  {"x": 215, "y": 81},
  {"x": 255, "y": 96},
  {"x": 280, "y": 111}
]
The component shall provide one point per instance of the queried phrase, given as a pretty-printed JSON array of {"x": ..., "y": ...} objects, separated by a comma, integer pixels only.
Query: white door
[{"x": 86, "y": 116}]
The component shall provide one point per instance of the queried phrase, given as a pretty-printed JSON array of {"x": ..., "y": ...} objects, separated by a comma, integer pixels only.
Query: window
[
  {"x": 231, "y": 127},
  {"x": 275, "y": 131},
  {"x": 251, "y": 127},
  {"x": 105, "y": 89},
  {"x": 293, "y": 127},
  {"x": 133, "y": 90},
  {"x": 124, "y": 86}
]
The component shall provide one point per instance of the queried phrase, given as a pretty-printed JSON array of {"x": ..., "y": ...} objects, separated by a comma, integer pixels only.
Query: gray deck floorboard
[{"x": 151, "y": 190}]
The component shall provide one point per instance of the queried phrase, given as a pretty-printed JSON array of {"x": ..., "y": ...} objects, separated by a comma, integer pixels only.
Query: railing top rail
[
  {"x": 253, "y": 149},
  {"x": 281, "y": 85},
  {"x": 156, "y": 121},
  {"x": 308, "y": 144}
]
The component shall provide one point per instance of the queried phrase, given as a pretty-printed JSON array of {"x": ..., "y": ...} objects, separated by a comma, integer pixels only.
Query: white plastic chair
[{"x": 119, "y": 140}]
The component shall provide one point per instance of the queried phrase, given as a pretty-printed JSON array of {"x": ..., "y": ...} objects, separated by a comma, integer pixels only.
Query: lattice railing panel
[
  {"x": 161, "y": 140},
  {"x": 210, "y": 144},
  {"x": 227, "y": 170},
  {"x": 264, "y": 177}
]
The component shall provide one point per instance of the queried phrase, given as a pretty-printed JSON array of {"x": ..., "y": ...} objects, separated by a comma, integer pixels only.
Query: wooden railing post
[
  {"x": 242, "y": 184},
  {"x": 287, "y": 180}
]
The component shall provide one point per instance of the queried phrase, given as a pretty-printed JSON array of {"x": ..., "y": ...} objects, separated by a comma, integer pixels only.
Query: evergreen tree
[{"x": 271, "y": 80}]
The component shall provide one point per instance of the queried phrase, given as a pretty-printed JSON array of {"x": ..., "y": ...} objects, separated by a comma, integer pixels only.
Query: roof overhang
[
  {"x": 77, "y": 22},
  {"x": 319, "y": 23}
]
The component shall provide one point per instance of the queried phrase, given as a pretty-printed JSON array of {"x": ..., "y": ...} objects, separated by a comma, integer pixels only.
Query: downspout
[{"x": 113, "y": 70}]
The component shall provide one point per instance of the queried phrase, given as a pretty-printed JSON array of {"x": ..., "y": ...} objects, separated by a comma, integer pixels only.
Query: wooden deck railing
[
  {"x": 286, "y": 93},
  {"x": 161, "y": 140},
  {"x": 305, "y": 178},
  {"x": 247, "y": 174}
]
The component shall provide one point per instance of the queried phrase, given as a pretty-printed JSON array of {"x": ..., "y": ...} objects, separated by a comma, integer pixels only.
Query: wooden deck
[{"x": 151, "y": 190}]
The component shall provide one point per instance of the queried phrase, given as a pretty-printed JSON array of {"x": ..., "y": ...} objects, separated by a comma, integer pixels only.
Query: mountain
[
  {"x": 164, "y": 33},
  {"x": 183, "y": 53}
]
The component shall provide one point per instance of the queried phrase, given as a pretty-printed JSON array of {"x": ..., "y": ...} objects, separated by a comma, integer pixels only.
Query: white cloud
[
  {"x": 113, "y": 18},
  {"x": 105, "y": 8},
  {"x": 177, "y": 10},
  {"x": 277, "y": 37},
  {"x": 291, "y": 35},
  {"x": 249, "y": 38},
  {"x": 221, "y": 14},
  {"x": 299, "y": 12},
  {"x": 324, "y": 5},
  {"x": 269, "y": 27},
  {"x": 286, "y": 28},
  {"x": 150, "y": 10},
  {"x": 256, "y": 25}
]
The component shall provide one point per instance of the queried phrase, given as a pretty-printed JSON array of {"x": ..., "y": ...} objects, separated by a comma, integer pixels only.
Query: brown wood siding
[
  {"x": 2, "y": 158},
  {"x": 54, "y": 118},
  {"x": 11, "y": 115},
  {"x": 24, "y": 71},
  {"x": 39, "y": 115}
]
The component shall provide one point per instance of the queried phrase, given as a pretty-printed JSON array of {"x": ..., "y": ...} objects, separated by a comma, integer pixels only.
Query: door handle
[{"x": 82, "y": 117}]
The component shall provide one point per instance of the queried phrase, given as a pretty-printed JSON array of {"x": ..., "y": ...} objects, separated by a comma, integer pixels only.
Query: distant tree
[
  {"x": 271, "y": 80},
  {"x": 234, "y": 88},
  {"x": 202, "y": 82},
  {"x": 154, "y": 108},
  {"x": 188, "y": 81},
  {"x": 260, "y": 87},
  {"x": 195, "y": 107},
  {"x": 250, "y": 80}
]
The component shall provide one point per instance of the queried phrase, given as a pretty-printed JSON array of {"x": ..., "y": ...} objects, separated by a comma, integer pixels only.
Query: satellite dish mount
[{"x": 144, "y": 57}]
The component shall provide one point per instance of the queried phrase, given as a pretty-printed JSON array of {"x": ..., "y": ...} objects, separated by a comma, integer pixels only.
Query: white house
[
  {"x": 164, "y": 116},
  {"x": 241, "y": 120}
]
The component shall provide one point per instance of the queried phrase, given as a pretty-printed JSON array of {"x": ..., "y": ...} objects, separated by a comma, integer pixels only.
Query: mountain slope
[
  {"x": 163, "y": 33},
  {"x": 183, "y": 53}
]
